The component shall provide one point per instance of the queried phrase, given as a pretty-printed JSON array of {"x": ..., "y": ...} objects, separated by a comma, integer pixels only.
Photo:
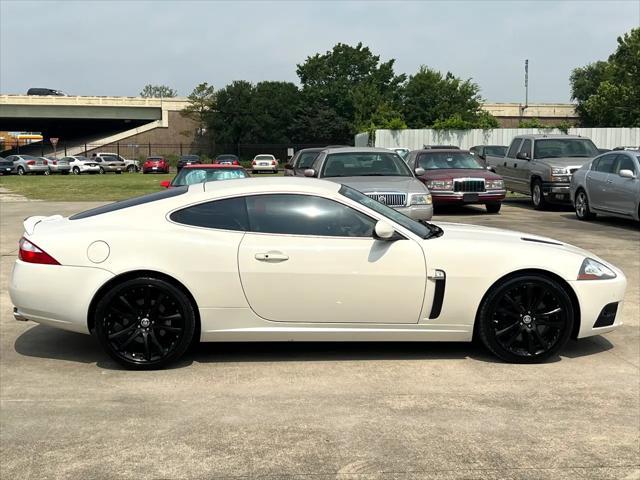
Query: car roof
[
  {"x": 538, "y": 136},
  {"x": 357, "y": 150},
  {"x": 211, "y": 165},
  {"x": 264, "y": 185},
  {"x": 441, "y": 150}
]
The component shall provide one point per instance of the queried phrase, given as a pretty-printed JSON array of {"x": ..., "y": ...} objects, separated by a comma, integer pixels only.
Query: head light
[
  {"x": 559, "y": 171},
  {"x": 592, "y": 270},
  {"x": 494, "y": 184},
  {"x": 421, "y": 199},
  {"x": 440, "y": 184}
]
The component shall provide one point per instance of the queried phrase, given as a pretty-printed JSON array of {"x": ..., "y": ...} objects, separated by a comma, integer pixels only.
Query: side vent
[
  {"x": 538, "y": 240},
  {"x": 438, "y": 296}
]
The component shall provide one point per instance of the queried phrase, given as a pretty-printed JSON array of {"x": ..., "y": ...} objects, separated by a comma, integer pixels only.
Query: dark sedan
[
  {"x": 188, "y": 160},
  {"x": 6, "y": 166},
  {"x": 456, "y": 177},
  {"x": 226, "y": 159}
]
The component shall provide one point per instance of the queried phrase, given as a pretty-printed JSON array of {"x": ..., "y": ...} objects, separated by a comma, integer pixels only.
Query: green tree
[
  {"x": 608, "y": 92},
  {"x": 273, "y": 107},
  {"x": 233, "y": 121},
  {"x": 202, "y": 102},
  {"x": 350, "y": 81},
  {"x": 431, "y": 99},
  {"x": 158, "y": 91}
]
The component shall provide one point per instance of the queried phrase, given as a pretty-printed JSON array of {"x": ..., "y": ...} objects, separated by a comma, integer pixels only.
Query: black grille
[
  {"x": 607, "y": 315},
  {"x": 468, "y": 186}
]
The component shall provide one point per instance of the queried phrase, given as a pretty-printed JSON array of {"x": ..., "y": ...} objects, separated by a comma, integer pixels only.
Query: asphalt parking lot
[{"x": 320, "y": 411}]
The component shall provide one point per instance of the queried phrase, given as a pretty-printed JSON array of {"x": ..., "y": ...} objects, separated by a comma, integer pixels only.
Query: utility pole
[{"x": 526, "y": 88}]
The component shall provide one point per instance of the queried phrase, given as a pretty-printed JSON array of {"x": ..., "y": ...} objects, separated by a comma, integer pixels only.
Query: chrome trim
[
  {"x": 390, "y": 199},
  {"x": 18, "y": 316},
  {"x": 459, "y": 184}
]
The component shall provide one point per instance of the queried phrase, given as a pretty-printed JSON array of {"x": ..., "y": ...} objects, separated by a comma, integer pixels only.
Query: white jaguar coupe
[{"x": 306, "y": 260}]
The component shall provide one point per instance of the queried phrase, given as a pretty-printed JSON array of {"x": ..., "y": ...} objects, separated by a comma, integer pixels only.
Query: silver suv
[
  {"x": 542, "y": 165},
  {"x": 378, "y": 173}
]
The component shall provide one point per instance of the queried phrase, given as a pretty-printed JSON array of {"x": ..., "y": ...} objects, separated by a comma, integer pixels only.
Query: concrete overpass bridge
[{"x": 78, "y": 121}]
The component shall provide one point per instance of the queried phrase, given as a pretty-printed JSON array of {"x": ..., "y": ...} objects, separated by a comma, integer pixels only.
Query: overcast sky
[{"x": 116, "y": 47}]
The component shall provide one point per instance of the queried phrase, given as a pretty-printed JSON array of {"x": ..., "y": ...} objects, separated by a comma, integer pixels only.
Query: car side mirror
[
  {"x": 309, "y": 172},
  {"x": 419, "y": 171},
  {"x": 626, "y": 174},
  {"x": 165, "y": 183},
  {"x": 288, "y": 166},
  {"x": 482, "y": 156},
  {"x": 385, "y": 232},
  {"x": 522, "y": 156}
]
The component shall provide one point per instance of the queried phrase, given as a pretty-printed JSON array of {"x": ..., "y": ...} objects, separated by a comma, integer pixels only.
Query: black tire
[
  {"x": 66, "y": 172},
  {"x": 131, "y": 169},
  {"x": 493, "y": 207},
  {"x": 145, "y": 323},
  {"x": 526, "y": 319},
  {"x": 20, "y": 171},
  {"x": 583, "y": 212},
  {"x": 76, "y": 171},
  {"x": 537, "y": 195},
  {"x": 101, "y": 172},
  {"x": 118, "y": 172},
  {"x": 254, "y": 172},
  {"x": 47, "y": 172}
]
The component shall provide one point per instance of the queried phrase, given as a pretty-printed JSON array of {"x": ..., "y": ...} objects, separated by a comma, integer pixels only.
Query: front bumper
[
  {"x": 449, "y": 197},
  {"x": 7, "y": 170},
  {"x": 55, "y": 295},
  {"x": 593, "y": 296},
  {"x": 417, "y": 212},
  {"x": 557, "y": 191}
]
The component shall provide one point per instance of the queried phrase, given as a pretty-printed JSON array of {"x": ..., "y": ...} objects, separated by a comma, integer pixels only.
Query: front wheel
[
  {"x": 526, "y": 319},
  {"x": 583, "y": 212},
  {"x": 537, "y": 196},
  {"x": 21, "y": 171},
  {"x": 493, "y": 207},
  {"x": 76, "y": 170},
  {"x": 145, "y": 323},
  {"x": 131, "y": 169},
  {"x": 101, "y": 172}
]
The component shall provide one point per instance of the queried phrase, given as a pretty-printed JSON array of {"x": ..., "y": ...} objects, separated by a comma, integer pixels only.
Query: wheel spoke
[
  {"x": 550, "y": 323},
  {"x": 155, "y": 342},
  {"x": 513, "y": 303},
  {"x": 120, "y": 313},
  {"x": 541, "y": 340},
  {"x": 130, "y": 339},
  {"x": 175, "y": 316},
  {"x": 156, "y": 305},
  {"x": 147, "y": 350},
  {"x": 530, "y": 346},
  {"x": 507, "y": 312},
  {"x": 126, "y": 303},
  {"x": 512, "y": 338},
  {"x": 550, "y": 312},
  {"x": 168, "y": 329},
  {"x": 501, "y": 332},
  {"x": 122, "y": 332}
]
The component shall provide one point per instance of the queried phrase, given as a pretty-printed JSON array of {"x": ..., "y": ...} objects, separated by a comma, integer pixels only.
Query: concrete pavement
[{"x": 321, "y": 411}]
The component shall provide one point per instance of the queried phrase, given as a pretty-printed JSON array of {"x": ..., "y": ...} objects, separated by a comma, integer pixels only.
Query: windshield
[
  {"x": 226, "y": 157},
  {"x": 306, "y": 159},
  {"x": 564, "y": 147},
  {"x": 189, "y": 158},
  {"x": 495, "y": 150},
  {"x": 422, "y": 229},
  {"x": 190, "y": 176},
  {"x": 264, "y": 157},
  {"x": 441, "y": 160},
  {"x": 28, "y": 157},
  {"x": 365, "y": 164}
]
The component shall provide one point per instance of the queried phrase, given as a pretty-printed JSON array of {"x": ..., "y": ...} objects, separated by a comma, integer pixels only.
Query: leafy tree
[
  {"x": 202, "y": 102},
  {"x": 158, "y": 91},
  {"x": 352, "y": 82},
  {"x": 431, "y": 99},
  {"x": 273, "y": 107},
  {"x": 233, "y": 121},
  {"x": 608, "y": 92}
]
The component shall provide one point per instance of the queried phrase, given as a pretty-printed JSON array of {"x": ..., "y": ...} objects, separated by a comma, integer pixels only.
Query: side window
[
  {"x": 228, "y": 214},
  {"x": 526, "y": 148},
  {"x": 625, "y": 163},
  {"x": 306, "y": 215},
  {"x": 410, "y": 160},
  {"x": 514, "y": 148},
  {"x": 605, "y": 164}
]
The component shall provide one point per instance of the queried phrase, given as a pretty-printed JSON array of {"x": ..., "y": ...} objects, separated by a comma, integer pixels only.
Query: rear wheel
[
  {"x": 583, "y": 212},
  {"x": 493, "y": 207},
  {"x": 101, "y": 172},
  {"x": 47, "y": 172},
  {"x": 537, "y": 195},
  {"x": 20, "y": 170},
  {"x": 76, "y": 170},
  {"x": 131, "y": 169},
  {"x": 145, "y": 323},
  {"x": 526, "y": 319}
]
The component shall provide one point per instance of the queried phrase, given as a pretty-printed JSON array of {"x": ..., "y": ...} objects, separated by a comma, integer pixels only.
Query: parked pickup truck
[{"x": 542, "y": 165}]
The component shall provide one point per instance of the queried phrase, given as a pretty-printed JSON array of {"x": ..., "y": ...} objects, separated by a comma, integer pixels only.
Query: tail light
[
  {"x": 273, "y": 162},
  {"x": 30, "y": 253},
  {"x": 253, "y": 162},
  {"x": 31, "y": 162},
  {"x": 235, "y": 162},
  {"x": 54, "y": 162}
]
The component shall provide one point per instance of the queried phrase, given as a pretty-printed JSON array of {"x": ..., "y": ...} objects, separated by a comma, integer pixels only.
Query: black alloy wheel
[
  {"x": 145, "y": 323},
  {"x": 102, "y": 172},
  {"x": 526, "y": 319}
]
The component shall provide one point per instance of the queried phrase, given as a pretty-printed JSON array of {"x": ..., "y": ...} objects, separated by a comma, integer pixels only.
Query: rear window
[
  {"x": 264, "y": 157},
  {"x": 130, "y": 202}
]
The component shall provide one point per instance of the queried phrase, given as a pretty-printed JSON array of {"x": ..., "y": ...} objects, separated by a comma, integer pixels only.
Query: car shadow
[
  {"x": 525, "y": 203},
  {"x": 615, "y": 222},
  {"x": 51, "y": 343}
]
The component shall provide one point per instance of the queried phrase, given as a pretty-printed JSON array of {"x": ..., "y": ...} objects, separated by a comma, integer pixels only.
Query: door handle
[
  {"x": 609, "y": 181},
  {"x": 271, "y": 256},
  {"x": 505, "y": 164}
]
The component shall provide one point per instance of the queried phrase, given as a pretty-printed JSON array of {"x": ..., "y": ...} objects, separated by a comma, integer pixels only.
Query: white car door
[{"x": 314, "y": 260}]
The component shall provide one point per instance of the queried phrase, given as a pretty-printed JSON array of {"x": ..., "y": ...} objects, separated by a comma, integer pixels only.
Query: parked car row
[{"x": 75, "y": 164}]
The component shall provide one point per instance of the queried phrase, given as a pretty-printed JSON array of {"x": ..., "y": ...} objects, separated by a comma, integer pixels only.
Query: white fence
[{"x": 465, "y": 139}]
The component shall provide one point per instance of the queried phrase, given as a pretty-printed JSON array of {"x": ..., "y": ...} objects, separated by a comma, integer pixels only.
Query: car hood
[
  {"x": 566, "y": 161},
  {"x": 381, "y": 184},
  {"x": 444, "y": 173}
]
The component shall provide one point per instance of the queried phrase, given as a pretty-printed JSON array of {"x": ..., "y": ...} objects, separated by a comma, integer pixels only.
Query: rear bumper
[
  {"x": 450, "y": 198},
  {"x": 55, "y": 295},
  {"x": 417, "y": 212},
  {"x": 113, "y": 168},
  {"x": 264, "y": 168},
  {"x": 60, "y": 168},
  {"x": 88, "y": 168},
  {"x": 37, "y": 168}
]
